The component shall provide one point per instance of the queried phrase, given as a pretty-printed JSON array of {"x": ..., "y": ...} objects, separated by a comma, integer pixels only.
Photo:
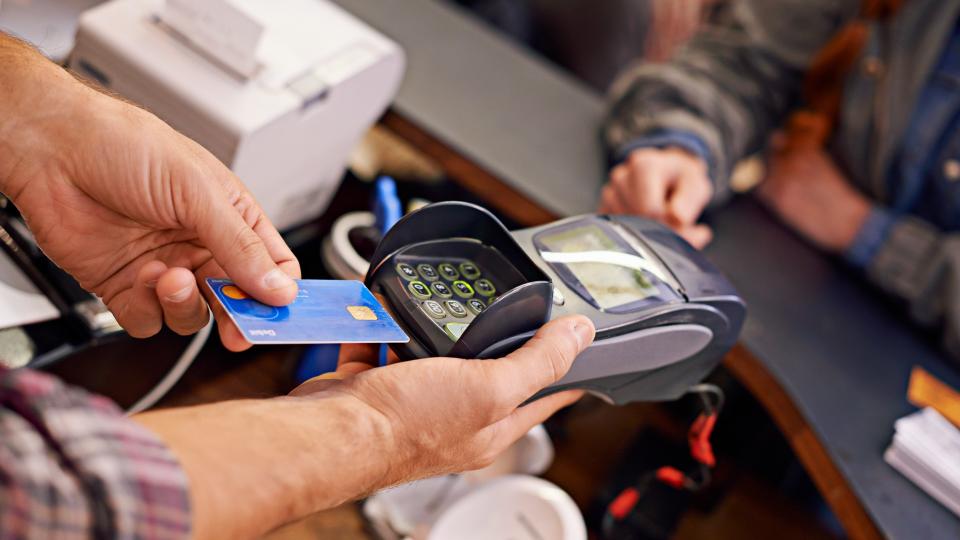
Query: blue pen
[
  {"x": 388, "y": 210},
  {"x": 386, "y": 204}
]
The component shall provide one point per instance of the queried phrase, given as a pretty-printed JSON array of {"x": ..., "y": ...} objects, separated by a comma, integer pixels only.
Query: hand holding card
[{"x": 325, "y": 311}]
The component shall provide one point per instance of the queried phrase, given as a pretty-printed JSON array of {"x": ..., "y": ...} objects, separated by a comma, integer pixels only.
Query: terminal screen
[{"x": 610, "y": 284}]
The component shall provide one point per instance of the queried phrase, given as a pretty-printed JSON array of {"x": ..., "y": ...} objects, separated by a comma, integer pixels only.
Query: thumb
[
  {"x": 240, "y": 251},
  {"x": 546, "y": 358},
  {"x": 697, "y": 235}
]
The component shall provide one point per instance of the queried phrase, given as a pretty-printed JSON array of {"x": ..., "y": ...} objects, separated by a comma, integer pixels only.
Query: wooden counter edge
[{"x": 805, "y": 443}]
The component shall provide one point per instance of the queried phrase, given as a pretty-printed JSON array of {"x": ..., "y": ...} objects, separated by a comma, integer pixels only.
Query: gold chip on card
[{"x": 362, "y": 313}]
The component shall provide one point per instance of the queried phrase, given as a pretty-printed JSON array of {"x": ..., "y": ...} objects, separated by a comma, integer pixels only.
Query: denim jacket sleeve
[
  {"x": 732, "y": 84},
  {"x": 920, "y": 264}
]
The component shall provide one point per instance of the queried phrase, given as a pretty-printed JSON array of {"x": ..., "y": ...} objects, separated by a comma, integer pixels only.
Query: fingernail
[
  {"x": 181, "y": 295},
  {"x": 152, "y": 284},
  {"x": 583, "y": 333},
  {"x": 276, "y": 279}
]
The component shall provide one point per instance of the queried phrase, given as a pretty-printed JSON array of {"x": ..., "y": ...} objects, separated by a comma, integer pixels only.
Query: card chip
[{"x": 362, "y": 313}]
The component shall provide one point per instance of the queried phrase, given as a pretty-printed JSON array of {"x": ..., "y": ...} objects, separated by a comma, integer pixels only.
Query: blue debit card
[{"x": 325, "y": 311}]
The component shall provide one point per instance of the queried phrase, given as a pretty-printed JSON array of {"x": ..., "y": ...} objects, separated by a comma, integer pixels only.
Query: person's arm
[
  {"x": 254, "y": 465},
  {"x": 919, "y": 264},
  {"x": 730, "y": 86},
  {"x": 905, "y": 256},
  {"x": 73, "y": 466}
]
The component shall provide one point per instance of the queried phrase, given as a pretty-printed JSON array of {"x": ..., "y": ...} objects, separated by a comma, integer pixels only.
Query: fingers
[
  {"x": 610, "y": 201},
  {"x": 522, "y": 420},
  {"x": 697, "y": 235},
  {"x": 668, "y": 185},
  {"x": 543, "y": 360},
  {"x": 644, "y": 184},
  {"x": 277, "y": 248},
  {"x": 184, "y": 309},
  {"x": 689, "y": 196},
  {"x": 142, "y": 315},
  {"x": 241, "y": 252}
]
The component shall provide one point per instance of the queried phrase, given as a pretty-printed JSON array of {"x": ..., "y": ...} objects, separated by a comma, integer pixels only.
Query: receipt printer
[
  {"x": 462, "y": 285},
  {"x": 281, "y": 91}
]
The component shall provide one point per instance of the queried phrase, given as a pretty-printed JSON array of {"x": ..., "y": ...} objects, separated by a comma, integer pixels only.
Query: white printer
[{"x": 281, "y": 90}]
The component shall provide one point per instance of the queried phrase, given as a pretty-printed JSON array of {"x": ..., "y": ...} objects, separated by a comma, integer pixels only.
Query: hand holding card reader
[{"x": 462, "y": 285}]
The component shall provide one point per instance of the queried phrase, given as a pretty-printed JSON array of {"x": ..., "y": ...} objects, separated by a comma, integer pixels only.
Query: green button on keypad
[
  {"x": 455, "y": 329},
  {"x": 476, "y": 306},
  {"x": 469, "y": 270},
  {"x": 428, "y": 272},
  {"x": 434, "y": 309},
  {"x": 485, "y": 287},
  {"x": 448, "y": 271},
  {"x": 406, "y": 271},
  {"x": 463, "y": 289},
  {"x": 456, "y": 308},
  {"x": 440, "y": 289},
  {"x": 419, "y": 289}
]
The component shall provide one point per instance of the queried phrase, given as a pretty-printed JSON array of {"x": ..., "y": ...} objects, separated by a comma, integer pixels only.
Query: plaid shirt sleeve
[{"x": 73, "y": 466}]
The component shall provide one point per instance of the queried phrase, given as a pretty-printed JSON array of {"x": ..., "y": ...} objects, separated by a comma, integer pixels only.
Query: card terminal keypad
[{"x": 451, "y": 292}]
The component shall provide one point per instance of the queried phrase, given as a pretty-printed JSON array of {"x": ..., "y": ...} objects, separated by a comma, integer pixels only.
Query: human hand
[
  {"x": 136, "y": 212},
  {"x": 669, "y": 185},
  {"x": 254, "y": 464},
  {"x": 450, "y": 415},
  {"x": 810, "y": 193}
]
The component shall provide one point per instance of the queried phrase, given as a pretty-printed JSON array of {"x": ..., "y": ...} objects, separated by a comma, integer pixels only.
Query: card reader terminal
[{"x": 462, "y": 285}]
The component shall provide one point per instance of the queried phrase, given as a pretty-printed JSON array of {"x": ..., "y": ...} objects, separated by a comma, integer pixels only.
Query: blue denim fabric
[
  {"x": 919, "y": 178},
  {"x": 662, "y": 139},
  {"x": 871, "y": 236}
]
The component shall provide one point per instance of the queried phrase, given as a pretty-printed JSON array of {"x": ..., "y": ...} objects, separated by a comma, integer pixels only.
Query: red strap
[
  {"x": 672, "y": 477},
  {"x": 624, "y": 503},
  {"x": 699, "y": 439}
]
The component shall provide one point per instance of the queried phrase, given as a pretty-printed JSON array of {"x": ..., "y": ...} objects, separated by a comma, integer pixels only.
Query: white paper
[
  {"x": 926, "y": 449},
  {"x": 20, "y": 301},
  {"x": 221, "y": 28}
]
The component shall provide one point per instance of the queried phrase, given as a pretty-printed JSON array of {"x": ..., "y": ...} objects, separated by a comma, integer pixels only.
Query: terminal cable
[
  {"x": 176, "y": 372},
  {"x": 701, "y": 450}
]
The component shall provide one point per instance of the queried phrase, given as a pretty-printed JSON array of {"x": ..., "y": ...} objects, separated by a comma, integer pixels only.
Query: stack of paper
[{"x": 926, "y": 449}]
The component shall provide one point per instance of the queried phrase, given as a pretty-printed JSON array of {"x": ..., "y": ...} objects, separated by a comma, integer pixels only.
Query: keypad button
[
  {"x": 434, "y": 309},
  {"x": 456, "y": 308},
  {"x": 406, "y": 271},
  {"x": 428, "y": 272},
  {"x": 448, "y": 271},
  {"x": 440, "y": 289},
  {"x": 455, "y": 329},
  {"x": 469, "y": 270},
  {"x": 476, "y": 306},
  {"x": 419, "y": 289},
  {"x": 463, "y": 289},
  {"x": 485, "y": 287}
]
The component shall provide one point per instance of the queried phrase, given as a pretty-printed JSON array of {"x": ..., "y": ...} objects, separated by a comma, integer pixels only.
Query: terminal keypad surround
[{"x": 451, "y": 291}]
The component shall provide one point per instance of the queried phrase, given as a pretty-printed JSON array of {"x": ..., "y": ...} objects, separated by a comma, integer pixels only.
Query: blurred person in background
[
  {"x": 857, "y": 106},
  {"x": 595, "y": 40}
]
